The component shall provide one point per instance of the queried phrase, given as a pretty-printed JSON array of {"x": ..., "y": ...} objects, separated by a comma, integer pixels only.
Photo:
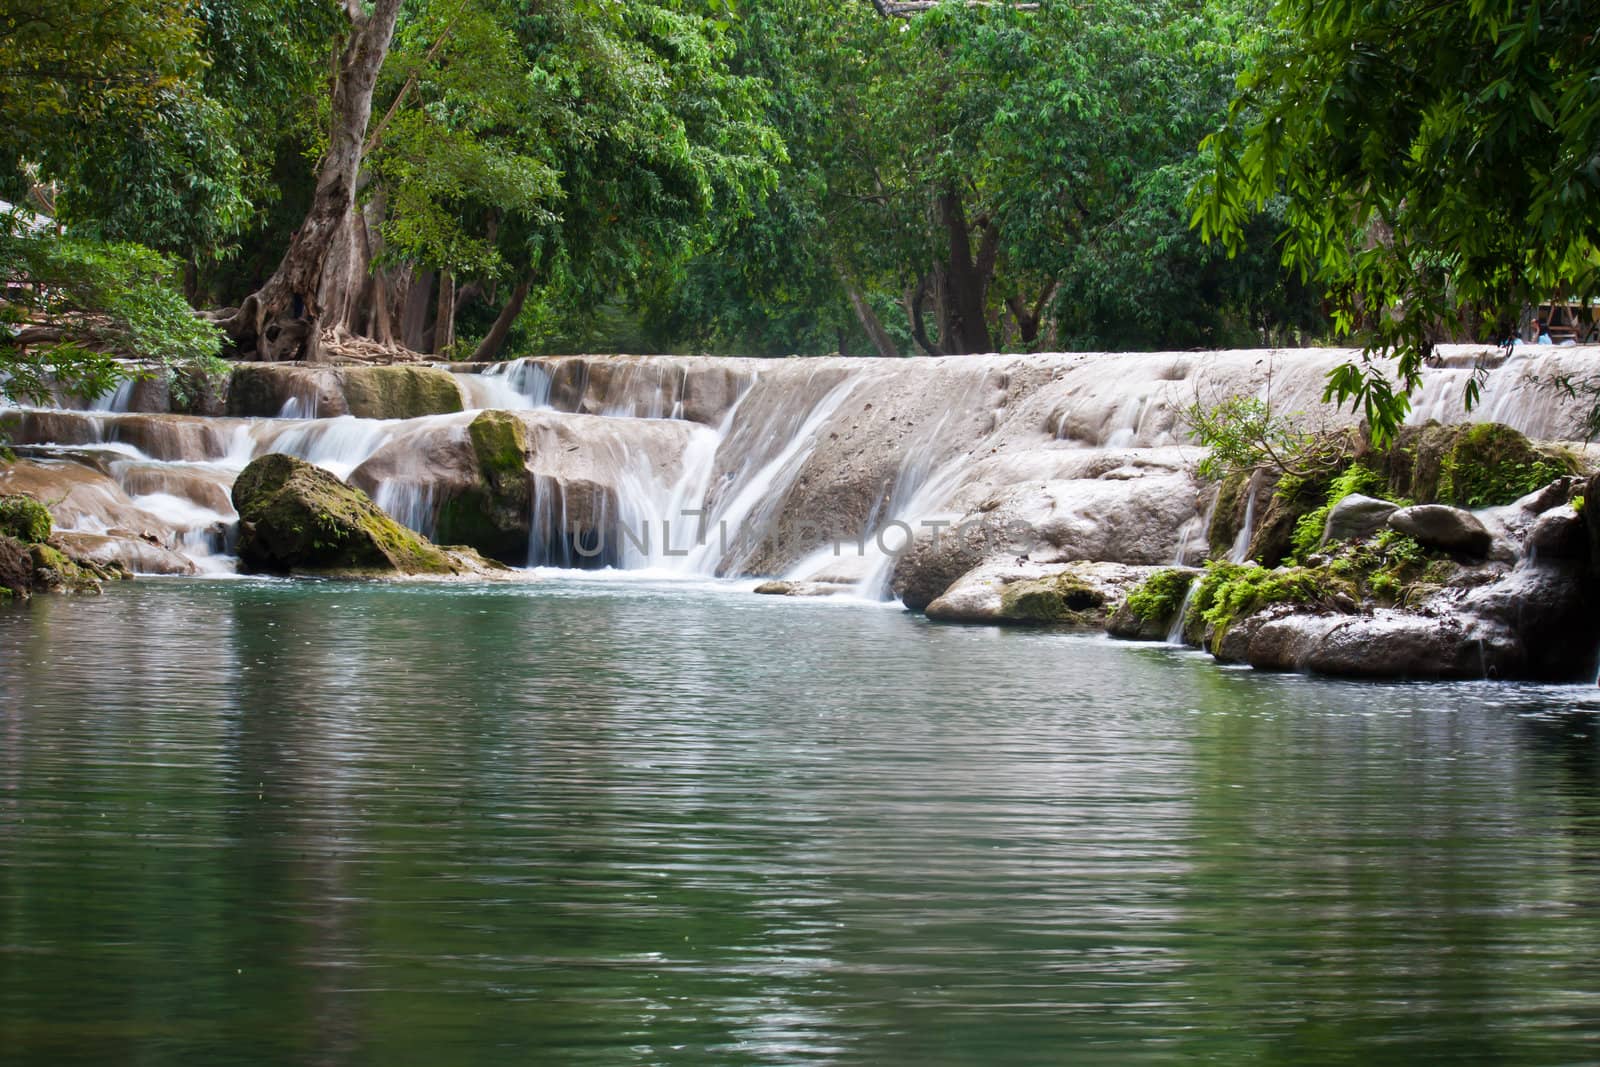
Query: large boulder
[
  {"x": 295, "y": 518},
  {"x": 1444, "y": 528}
]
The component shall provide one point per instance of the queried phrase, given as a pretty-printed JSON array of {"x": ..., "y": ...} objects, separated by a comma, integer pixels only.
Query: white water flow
[
  {"x": 1069, "y": 443},
  {"x": 752, "y": 500},
  {"x": 516, "y": 385},
  {"x": 1239, "y": 551}
]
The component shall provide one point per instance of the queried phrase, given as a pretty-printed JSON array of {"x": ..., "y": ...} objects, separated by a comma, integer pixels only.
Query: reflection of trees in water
[{"x": 1385, "y": 887}]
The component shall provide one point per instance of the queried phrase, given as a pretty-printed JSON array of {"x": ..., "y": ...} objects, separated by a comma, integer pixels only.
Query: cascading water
[{"x": 736, "y": 467}]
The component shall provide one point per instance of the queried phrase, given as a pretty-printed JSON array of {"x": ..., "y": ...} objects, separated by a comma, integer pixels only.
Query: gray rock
[
  {"x": 1008, "y": 592},
  {"x": 130, "y": 553},
  {"x": 1356, "y": 516},
  {"x": 1444, "y": 528},
  {"x": 1558, "y": 534}
]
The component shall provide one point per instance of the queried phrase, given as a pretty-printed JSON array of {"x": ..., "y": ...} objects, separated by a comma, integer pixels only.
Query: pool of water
[{"x": 630, "y": 822}]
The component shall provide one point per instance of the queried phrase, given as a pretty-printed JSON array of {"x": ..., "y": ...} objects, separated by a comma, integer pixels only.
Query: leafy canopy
[{"x": 1431, "y": 157}]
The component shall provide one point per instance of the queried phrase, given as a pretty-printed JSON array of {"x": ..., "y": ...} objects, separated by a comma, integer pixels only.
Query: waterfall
[{"x": 812, "y": 469}]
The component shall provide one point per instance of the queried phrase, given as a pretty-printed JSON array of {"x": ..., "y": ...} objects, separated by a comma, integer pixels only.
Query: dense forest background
[
  {"x": 479, "y": 178},
  {"x": 793, "y": 176}
]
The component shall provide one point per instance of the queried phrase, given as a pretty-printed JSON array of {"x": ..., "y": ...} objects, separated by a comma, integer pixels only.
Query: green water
[{"x": 589, "y": 822}]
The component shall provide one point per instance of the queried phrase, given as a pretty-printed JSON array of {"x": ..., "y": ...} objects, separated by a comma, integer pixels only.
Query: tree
[
  {"x": 71, "y": 309},
  {"x": 284, "y": 318},
  {"x": 77, "y": 77},
  {"x": 965, "y": 177},
  {"x": 1430, "y": 158}
]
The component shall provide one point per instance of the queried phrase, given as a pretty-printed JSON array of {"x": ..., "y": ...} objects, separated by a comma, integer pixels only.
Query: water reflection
[{"x": 589, "y": 823}]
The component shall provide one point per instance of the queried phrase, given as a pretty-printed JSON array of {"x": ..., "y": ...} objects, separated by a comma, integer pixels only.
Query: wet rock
[
  {"x": 1385, "y": 644},
  {"x": 803, "y": 588},
  {"x": 492, "y": 512},
  {"x": 16, "y": 570},
  {"x": 1444, "y": 528},
  {"x": 128, "y": 554},
  {"x": 1031, "y": 594},
  {"x": 83, "y": 497},
  {"x": 1356, "y": 516},
  {"x": 297, "y": 518},
  {"x": 1134, "y": 521},
  {"x": 648, "y": 387},
  {"x": 398, "y": 392},
  {"x": 266, "y": 390},
  {"x": 1557, "y": 534}
]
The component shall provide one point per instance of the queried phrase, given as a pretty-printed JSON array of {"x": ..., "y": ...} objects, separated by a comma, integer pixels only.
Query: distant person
[{"x": 1544, "y": 334}]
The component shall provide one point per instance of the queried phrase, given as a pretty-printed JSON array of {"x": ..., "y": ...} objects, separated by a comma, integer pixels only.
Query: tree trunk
[
  {"x": 414, "y": 317},
  {"x": 1028, "y": 319},
  {"x": 913, "y": 301},
  {"x": 881, "y": 341},
  {"x": 964, "y": 326},
  {"x": 489, "y": 348},
  {"x": 444, "y": 319},
  {"x": 284, "y": 319}
]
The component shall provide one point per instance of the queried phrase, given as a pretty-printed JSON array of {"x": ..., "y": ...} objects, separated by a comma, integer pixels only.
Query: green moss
[
  {"x": 1229, "y": 592},
  {"x": 492, "y": 515},
  {"x": 24, "y": 518},
  {"x": 297, "y": 517},
  {"x": 399, "y": 392},
  {"x": 1064, "y": 598},
  {"x": 1160, "y": 596},
  {"x": 1492, "y": 464},
  {"x": 1355, "y": 478},
  {"x": 54, "y": 571},
  {"x": 1389, "y": 569}
]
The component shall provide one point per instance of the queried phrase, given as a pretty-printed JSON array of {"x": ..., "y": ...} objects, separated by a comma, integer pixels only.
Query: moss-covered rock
[
  {"x": 493, "y": 513},
  {"x": 297, "y": 518},
  {"x": 1471, "y": 466},
  {"x": 385, "y": 392},
  {"x": 55, "y": 572},
  {"x": 1388, "y": 570},
  {"x": 1064, "y": 599},
  {"x": 1151, "y": 608},
  {"x": 27, "y": 568},
  {"x": 399, "y": 392},
  {"x": 25, "y": 519}
]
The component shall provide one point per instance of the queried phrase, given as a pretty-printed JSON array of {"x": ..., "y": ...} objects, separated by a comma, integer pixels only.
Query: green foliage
[
  {"x": 1430, "y": 157},
  {"x": 1390, "y": 568},
  {"x": 1492, "y": 464},
  {"x": 1160, "y": 595},
  {"x": 1229, "y": 592},
  {"x": 71, "y": 306},
  {"x": 1047, "y": 150},
  {"x": 25, "y": 519},
  {"x": 1353, "y": 479},
  {"x": 1244, "y": 433}
]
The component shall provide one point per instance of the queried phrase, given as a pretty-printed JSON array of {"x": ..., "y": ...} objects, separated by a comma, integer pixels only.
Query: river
[{"x": 596, "y": 820}]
